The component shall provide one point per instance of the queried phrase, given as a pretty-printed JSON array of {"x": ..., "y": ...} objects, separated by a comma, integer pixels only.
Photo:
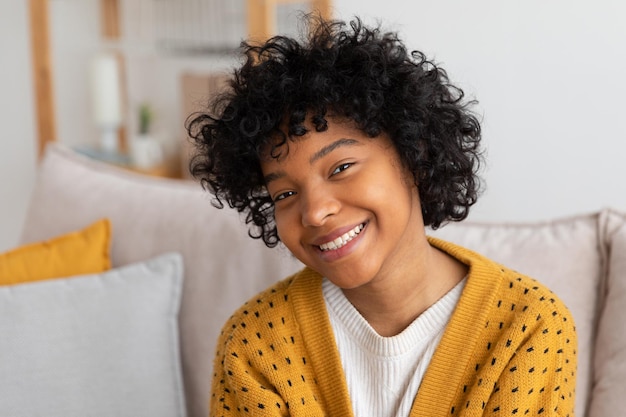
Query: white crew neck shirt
[{"x": 383, "y": 374}]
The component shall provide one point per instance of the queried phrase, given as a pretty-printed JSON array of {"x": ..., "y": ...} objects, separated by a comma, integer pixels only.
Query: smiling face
[{"x": 345, "y": 206}]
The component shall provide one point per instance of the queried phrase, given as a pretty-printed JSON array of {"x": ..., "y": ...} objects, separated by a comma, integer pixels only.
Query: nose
[{"x": 317, "y": 206}]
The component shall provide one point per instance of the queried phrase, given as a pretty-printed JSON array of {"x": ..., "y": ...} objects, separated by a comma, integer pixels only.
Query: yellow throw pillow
[{"x": 82, "y": 252}]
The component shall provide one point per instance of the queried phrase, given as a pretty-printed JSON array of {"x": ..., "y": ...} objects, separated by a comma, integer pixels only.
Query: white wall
[
  {"x": 151, "y": 77},
  {"x": 17, "y": 140},
  {"x": 549, "y": 76}
]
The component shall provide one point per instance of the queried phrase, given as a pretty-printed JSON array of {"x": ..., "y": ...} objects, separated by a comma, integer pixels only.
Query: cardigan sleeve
[
  {"x": 262, "y": 366},
  {"x": 539, "y": 378},
  {"x": 240, "y": 390}
]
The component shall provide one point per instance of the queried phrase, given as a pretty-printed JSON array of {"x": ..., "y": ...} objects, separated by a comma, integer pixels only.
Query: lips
[{"x": 342, "y": 240}]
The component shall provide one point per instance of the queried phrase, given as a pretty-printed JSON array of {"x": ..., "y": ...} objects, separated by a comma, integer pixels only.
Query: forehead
[{"x": 338, "y": 133}]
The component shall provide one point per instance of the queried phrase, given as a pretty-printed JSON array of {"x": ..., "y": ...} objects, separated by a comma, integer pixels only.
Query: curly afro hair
[{"x": 349, "y": 71}]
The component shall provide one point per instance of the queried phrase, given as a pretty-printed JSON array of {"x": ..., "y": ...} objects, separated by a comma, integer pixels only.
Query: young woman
[{"x": 343, "y": 148}]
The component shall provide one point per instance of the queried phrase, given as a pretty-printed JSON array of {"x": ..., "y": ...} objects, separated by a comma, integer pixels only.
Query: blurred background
[{"x": 549, "y": 76}]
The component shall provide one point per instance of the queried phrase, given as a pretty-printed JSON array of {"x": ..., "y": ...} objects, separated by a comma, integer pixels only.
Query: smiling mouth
[{"x": 342, "y": 240}]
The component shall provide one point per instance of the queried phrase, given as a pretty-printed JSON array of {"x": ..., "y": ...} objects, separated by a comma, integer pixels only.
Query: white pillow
[{"x": 98, "y": 345}]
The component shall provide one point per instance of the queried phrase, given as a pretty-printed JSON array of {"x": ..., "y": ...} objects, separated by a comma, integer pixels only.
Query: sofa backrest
[
  {"x": 609, "y": 356},
  {"x": 582, "y": 259}
]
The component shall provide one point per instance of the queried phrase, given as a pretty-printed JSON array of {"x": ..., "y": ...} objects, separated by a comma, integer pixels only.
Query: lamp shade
[{"x": 106, "y": 91}]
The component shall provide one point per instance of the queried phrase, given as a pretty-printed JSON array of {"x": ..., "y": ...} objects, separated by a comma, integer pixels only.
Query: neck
[{"x": 391, "y": 304}]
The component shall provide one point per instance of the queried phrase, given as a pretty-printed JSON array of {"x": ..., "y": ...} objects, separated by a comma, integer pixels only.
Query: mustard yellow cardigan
[{"x": 508, "y": 350}]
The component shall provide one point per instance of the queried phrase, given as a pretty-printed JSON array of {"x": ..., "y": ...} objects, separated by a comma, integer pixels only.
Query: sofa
[{"x": 166, "y": 227}]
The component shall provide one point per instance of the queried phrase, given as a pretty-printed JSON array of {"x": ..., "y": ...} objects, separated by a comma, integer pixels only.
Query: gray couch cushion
[{"x": 101, "y": 345}]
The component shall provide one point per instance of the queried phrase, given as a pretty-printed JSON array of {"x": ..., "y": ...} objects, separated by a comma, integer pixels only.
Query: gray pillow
[{"x": 97, "y": 345}]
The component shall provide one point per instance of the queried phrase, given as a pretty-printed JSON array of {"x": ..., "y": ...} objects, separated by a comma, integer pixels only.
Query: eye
[
  {"x": 342, "y": 167},
  {"x": 284, "y": 195}
]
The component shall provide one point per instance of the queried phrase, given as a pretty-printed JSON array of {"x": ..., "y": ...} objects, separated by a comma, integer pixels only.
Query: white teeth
[{"x": 342, "y": 240}]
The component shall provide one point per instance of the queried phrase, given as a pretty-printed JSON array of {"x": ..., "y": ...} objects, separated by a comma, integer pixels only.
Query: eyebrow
[
  {"x": 273, "y": 177},
  {"x": 329, "y": 148},
  {"x": 316, "y": 156}
]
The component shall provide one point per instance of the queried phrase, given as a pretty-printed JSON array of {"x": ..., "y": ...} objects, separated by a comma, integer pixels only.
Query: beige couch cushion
[
  {"x": 564, "y": 255},
  {"x": 609, "y": 390},
  {"x": 150, "y": 216}
]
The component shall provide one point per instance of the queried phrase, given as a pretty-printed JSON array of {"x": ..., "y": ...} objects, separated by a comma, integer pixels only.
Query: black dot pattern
[
  {"x": 261, "y": 367},
  {"x": 528, "y": 364},
  {"x": 509, "y": 350}
]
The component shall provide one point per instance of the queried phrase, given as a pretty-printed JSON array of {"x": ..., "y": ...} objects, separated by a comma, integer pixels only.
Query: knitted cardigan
[{"x": 509, "y": 349}]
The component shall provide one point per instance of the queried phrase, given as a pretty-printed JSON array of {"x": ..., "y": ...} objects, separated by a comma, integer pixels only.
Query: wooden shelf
[
  {"x": 261, "y": 24},
  {"x": 42, "y": 74},
  {"x": 169, "y": 168}
]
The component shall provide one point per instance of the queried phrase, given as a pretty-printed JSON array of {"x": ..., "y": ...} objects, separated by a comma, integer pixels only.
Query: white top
[{"x": 384, "y": 373}]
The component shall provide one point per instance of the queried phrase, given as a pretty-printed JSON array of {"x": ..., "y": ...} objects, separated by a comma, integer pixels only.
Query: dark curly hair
[{"x": 349, "y": 71}]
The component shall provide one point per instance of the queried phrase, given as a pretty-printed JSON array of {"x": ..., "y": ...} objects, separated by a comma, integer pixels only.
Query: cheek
[
  {"x": 285, "y": 226},
  {"x": 385, "y": 189},
  {"x": 280, "y": 226},
  {"x": 392, "y": 197}
]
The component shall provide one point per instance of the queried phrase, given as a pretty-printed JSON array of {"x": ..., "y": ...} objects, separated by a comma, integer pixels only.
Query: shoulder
[
  {"x": 269, "y": 307},
  {"x": 509, "y": 297},
  {"x": 535, "y": 309},
  {"x": 520, "y": 292},
  {"x": 541, "y": 335}
]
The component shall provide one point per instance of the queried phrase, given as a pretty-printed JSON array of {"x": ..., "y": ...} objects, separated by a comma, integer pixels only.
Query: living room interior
[{"x": 548, "y": 78}]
